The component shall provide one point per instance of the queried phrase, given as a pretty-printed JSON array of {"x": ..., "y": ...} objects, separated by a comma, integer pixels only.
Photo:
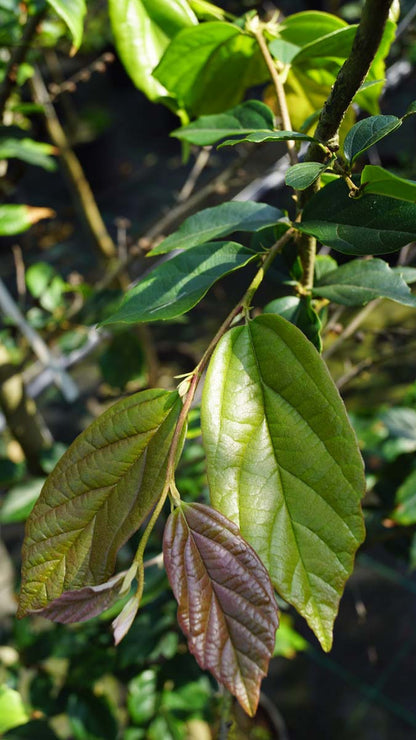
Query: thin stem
[
  {"x": 351, "y": 328},
  {"x": 279, "y": 89}
]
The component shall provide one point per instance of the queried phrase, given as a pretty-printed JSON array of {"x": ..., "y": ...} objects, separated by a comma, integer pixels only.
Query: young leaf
[
  {"x": 405, "y": 511},
  {"x": 72, "y": 13},
  {"x": 17, "y": 218},
  {"x": 334, "y": 45},
  {"x": 96, "y": 498},
  {"x": 283, "y": 50},
  {"x": 301, "y": 175},
  {"x": 372, "y": 224},
  {"x": 176, "y": 286},
  {"x": 259, "y": 137},
  {"x": 142, "y": 30},
  {"x": 217, "y": 221},
  {"x": 360, "y": 281},
  {"x": 243, "y": 119},
  {"x": 366, "y": 133},
  {"x": 27, "y": 150},
  {"x": 227, "y": 607},
  {"x": 283, "y": 463},
  {"x": 199, "y": 57},
  {"x": 378, "y": 180},
  {"x": 308, "y": 26}
]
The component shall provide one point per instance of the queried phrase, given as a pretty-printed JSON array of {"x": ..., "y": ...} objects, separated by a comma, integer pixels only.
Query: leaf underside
[
  {"x": 283, "y": 463},
  {"x": 97, "y": 497},
  {"x": 226, "y": 604}
]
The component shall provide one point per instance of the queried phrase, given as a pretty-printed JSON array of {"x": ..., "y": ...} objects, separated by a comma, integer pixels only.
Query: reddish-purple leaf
[
  {"x": 84, "y": 603},
  {"x": 227, "y": 607}
]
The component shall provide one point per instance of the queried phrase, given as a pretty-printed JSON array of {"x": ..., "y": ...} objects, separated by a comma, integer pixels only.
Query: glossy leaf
[
  {"x": 372, "y": 224},
  {"x": 211, "y": 223},
  {"x": 199, "y": 57},
  {"x": 226, "y": 604},
  {"x": 368, "y": 132},
  {"x": 207, "y": 11},
  {"x": 260, "y": 137},
  {"x": 243, "y": 119},
  {"x": 17, "y": 218},
  {"x": 176, "y": 286},
  {"x": 96, "y": 498},
  {"x": 360, "y": 281},
  {"x": 27, "y": 150},
  {"x": 378, "y": 180},
  {"x": 405, "y": 511},
  {"x": 335, "y": 45},
  {"x": 300, "y": 312},
  {"x": 72, "y": 13},
  {"x": 308, "y": 26},
  {"x": 283, "y": 463},
  {"x": 301, "y": 175},
  {"x": 142, "y": 31}
]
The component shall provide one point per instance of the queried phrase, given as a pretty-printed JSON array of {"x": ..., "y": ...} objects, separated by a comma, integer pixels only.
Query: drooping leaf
[
  {"x": 85, "y": 603},
  {"x": 30, "y": 151},
  {"x": 176, "y": 286},
  {"x": 96, "y": 498},
  {"x": 199, "y": 57},
  {"x": 300, "y": 312},
  {"x": 142, "y": 31},
  {"x": 218, "y": 221},
  {"x": 360, "y": 281},
  {"x": 372, "y": 224},
  {"x": 378, "y": 180},
  {"x": 301, "y": 175},
  {"x": 283, "y": 463},
  {"x": 243, "y": 119},
  {"x": 227, "y": 607},
  {"x": 405, "y": 510},
  {"x": 72, "y": 13},
  {"x": 17, "y": 218},
  {"x": 368, "y": 132},
  {"x": 259, "y": 137}
]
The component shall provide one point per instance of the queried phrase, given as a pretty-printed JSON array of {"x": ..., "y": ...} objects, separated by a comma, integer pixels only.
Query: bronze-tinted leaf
[
  {"x": 227, "y": 607},
  {"x": 84, "y": 603}
]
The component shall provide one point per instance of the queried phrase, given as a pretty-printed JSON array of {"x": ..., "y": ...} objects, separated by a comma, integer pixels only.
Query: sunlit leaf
[
  {"x": 72, "y": 13},
  {"x": 405, "y": 511},
  {"x": 368, "y": 132},
  {"x": 283, "y": 463},
  {"x": 360, "y": 281},
  {"x": 308, "y": 26},
  {"x": 96, "y": 498},
  {"x": 227, "y": 608},
  {"x": 17, "y": 218},
  {"x": 211, "y": 223},
  {"x": 28, "y": 150},
  {"x": 242, "y": 119},
  {"x": 176, "y": 286},
  {"x": 12, "y": 709},
  {"x": 372, "y": 224},
  {"x": 378, "y": 180},
  {"x": 259, "y": 137}
]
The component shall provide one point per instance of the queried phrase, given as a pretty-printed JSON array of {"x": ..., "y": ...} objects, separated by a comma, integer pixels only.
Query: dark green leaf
[
  {"x": 300, "y": 312},
  {"x": 323, "y": 264},
  {"x": 123, "y": 361},
  {"x": 17, "y": 218},
  {"x": 372, "y": 224},
  {"x": 226, "y": 604},
  {"x": 142, "y": 31},
  {"x": 198, "y": 58},
  {"x": 283, "y": 463},
  {"x": 360, "y": 281},
  {"x": 301, "y": 175},
  {"x": 31, "y": 730},
  {"x": 32, "y": 152},
  {"x": 405, "y": 511},
  {"x": 378, "y": 180},
  {"x": 366, "y": 133},
  {"x": 90, "y": 717},
  {"x": 72, "y": 13},
  {"x": 218, "y": 221},
  {"x": 411, "y": 109},
  {"x": 97, "y": 497},
  {"x": 176, "y": 286},
  {"x": 259, "y": 137},
  {"x": 243, "y": 119}
]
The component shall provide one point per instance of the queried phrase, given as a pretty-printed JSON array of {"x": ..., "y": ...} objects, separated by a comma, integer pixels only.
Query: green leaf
[
  {"x": 368, "y": 99},
  {"x": 227, "y": 608},
  {"x": 301, "y": 175},
  {"x": 334, "y": 45},
  {"x": 288, "y": 641},
  {"x": 12, "y": 709},
  {"x": 300, "y": 312},
  {"x": 408, "y": 273},
  {"x": 28, "y": 150},
  {"x": 283, "y": 463},
  {"x": 323, "y": 264},
  {"x": 176, "y": 286},
  {"x": 411, "y": 109},
  {"x": 142, "y": 697},
  {"x": 259, "y": 137},
  {"x": 207, "y": 11},
  {"x": 20, "y": 500},
  {"x": 405, "y": 511},
  {"x": 17, "y": 218},
  {"x": 97, "y": 497},
  {"x": 283, "y": 50},
  {"x": 360, "y": 281},
  {"x": 308, "y": 26},
  {"x": 198, "y": 58},
  {"x": 211, "y": 223},
  {"x": 72, "y": 13},
  {"x": 142, "y": 31},
  {"x": 378, "y": 180},
  {"x": 372, "y": 224},
  {"x": 38, "y": 276},
  {"x": 366, "y": 133},
  {"x": 242, "y": 119}
]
